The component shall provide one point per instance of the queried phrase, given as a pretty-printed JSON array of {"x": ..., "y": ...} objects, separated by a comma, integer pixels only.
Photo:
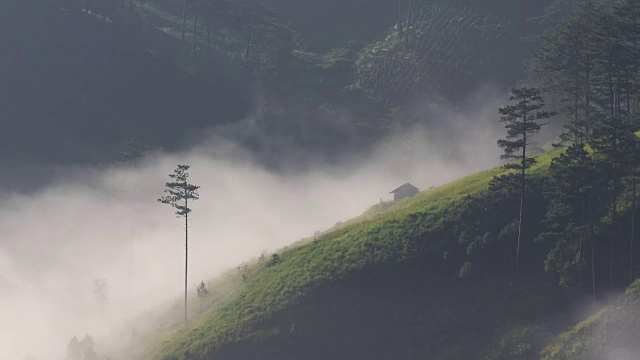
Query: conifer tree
[
  {"x": 133, "y": 151},
  {"x": 521, "y": 119},
  {"x": 570, "y": 192},
  {"x": 634, "y": 203},
  {"x": 627, "y": 14},
  {"x": 180, "y": 191},
  {"x": 101, "y": 293},
  {"x": 614, "y": 141},
  {"x": 566, "y": 62},
  {"x": 203, "y": 292}
]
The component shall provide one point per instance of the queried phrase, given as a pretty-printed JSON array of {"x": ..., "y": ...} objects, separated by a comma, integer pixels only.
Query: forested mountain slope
[{"x": 96, "y": 73}]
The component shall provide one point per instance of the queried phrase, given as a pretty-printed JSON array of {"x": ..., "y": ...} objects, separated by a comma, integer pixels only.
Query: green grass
[{"x": 615, "y": 326}]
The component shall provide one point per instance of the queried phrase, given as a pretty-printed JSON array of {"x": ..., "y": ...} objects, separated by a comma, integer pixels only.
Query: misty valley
[{"x": 307, "y": 179}]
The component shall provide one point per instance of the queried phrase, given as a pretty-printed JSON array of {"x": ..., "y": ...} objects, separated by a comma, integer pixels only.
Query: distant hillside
[
  {"x": 332, "y": 23},
  {"x": 96, "y": 75},
  {"x": 79, "y": 86},
  {"x": 350, "y": 57}
]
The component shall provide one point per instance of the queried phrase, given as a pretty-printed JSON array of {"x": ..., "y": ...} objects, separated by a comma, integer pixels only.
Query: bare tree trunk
[
  {"x": 635, "y": 73},
  {"x": 521, "y": 214},
  {"x": 614, "y": 215},
  {"x": 580, "y": 257},
  {"x": 186, "y": 253},
  {"x": 628, "y": 92},
  {"x": 205, "y": 33},
  {"x": 522, "y": 188},
  {"x": 409, "y": 23},
  {"x": 612, "y": 100},
  {"x": 195, "y": 37},
  {"x": 613, "y": 235},
  {"x": 577, "y": 132},
  {"x": 131, "y": 244},
  {"x": 249, "y": 41},
  {"x": 400, "y": 24},
  {"x": 614, "y": 206},
  {"x": 633, "y": 224},
  {"x": 184, "y": 18},
  {"x": 593, "y": 264},
  {"x": 587, "y": 114}
]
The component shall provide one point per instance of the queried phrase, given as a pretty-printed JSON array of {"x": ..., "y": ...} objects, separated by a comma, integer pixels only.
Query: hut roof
[{"x": 405, "y": 187}]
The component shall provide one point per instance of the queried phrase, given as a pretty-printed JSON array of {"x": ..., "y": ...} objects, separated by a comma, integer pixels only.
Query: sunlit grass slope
[
  {"x": 613, "y": 333},
  {"x": 407, "y": 256}
]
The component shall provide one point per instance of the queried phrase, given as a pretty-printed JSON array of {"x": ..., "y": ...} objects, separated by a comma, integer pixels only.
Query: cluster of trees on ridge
[
  {"x": 591, "y": 60},
  {"x": 263, "y": 43},
  {"x": 437, "y": 50}
]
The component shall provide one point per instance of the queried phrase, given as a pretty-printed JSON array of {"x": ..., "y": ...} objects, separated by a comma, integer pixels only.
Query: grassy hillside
[
  {"x": 385, "y": 285},
  {"x": 613, "y": 333}
]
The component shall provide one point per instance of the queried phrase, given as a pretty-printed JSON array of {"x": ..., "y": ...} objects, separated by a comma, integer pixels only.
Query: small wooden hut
[{"x": 404, "y": 191}]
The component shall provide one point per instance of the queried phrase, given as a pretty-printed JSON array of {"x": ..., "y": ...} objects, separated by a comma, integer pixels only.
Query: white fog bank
[{"x": 54, "y": 243}]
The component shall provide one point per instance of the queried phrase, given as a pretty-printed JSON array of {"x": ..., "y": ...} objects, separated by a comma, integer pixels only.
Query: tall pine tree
[
  {"x": 180, "y": 190},
  {"x": 522, "y": 119}
]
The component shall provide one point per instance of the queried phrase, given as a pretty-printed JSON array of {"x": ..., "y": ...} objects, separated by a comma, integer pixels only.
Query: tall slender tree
[
  {"x": 180, "y": 191},
  {"x": 184, "y": 18},
  {"x": 521, "y": 119},
  {"x": 195, "y": 33},
  {"x": 400, "y": 21},
  {"x": 132, "y": 153}
]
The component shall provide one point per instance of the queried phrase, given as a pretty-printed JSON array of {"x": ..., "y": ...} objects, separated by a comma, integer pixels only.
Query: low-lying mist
[{"x": 104, "y": 222}]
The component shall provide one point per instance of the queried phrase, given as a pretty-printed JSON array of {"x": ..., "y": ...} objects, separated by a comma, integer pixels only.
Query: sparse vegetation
[
  {"x": 609, "y": 334},
  {"x": 202, "y": 292},
  {"x": 81, "y": 350}
]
